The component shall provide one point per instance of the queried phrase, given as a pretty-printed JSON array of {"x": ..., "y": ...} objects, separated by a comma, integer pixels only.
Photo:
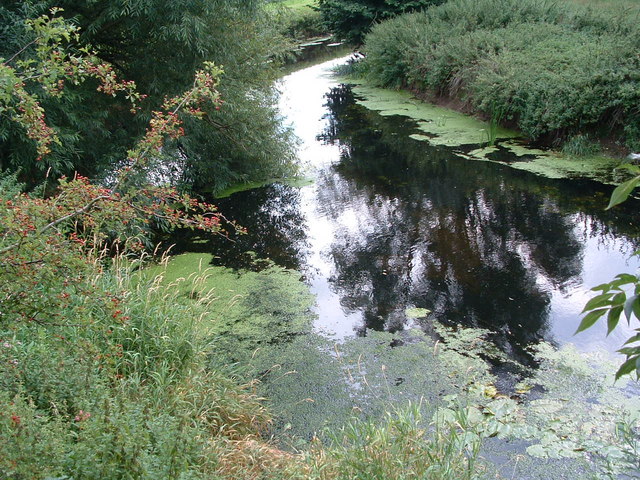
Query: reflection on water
[{"x": 392, "y": 223}]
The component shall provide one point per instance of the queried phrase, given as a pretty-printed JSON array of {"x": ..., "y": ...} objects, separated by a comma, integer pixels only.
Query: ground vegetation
[
  {"x": 352, "y": 19},
  {"x": 559, "y": 72}
]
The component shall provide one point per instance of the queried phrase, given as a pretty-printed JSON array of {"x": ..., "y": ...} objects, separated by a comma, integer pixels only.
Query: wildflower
[{"x": 82, "y": 416}]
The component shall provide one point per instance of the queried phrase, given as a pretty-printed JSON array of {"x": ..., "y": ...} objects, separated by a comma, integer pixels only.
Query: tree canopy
[
  {"x": 352, "y": 19},
  {"x": 159, "y": 45}
]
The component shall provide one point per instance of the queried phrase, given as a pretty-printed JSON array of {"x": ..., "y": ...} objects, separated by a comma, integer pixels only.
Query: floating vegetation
[
  {"x": 567, "y": 413},
  {"x": 417, "y": 312},
  {"x": 445, "y": 127},
  {"x": 441, "y": 126}
]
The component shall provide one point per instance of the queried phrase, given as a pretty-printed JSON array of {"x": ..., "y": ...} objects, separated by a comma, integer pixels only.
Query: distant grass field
[{"x": 298, "y": 4}]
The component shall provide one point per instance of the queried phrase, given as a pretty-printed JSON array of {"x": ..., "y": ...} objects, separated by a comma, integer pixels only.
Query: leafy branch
[{"x": 621, "y": 295}]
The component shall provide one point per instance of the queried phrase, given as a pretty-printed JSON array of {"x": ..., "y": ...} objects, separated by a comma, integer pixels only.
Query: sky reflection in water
[{"x": 392, "y": 223}]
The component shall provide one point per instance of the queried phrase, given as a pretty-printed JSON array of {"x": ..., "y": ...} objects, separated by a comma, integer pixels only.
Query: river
[
  {"x": 405, "y": 245},
  {"x": 389, "y": 223}
]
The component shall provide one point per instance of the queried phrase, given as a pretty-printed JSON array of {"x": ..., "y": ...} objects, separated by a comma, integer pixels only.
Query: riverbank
[
  {"x": 446, "y": 124},
  {"x": 563, "y": 74}
]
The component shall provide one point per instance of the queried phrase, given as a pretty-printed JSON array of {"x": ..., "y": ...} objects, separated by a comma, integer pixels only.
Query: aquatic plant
[
  {"x": 492, "y": 129},
  {"x": 402, "y": 446},
  {"x": 580, "y": 145},
  {"x": 621, "y": 295}
]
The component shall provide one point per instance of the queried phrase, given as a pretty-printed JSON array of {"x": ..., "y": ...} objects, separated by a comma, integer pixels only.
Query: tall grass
[
  {"x": 121, "y": 390},
  {"x": 403, "y": 446}
]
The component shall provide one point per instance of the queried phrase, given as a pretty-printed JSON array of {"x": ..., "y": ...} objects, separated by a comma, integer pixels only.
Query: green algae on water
[
  {"x": 417, "y": 312},
  {"x": 566, "y": 415},
  {"x": 441, "y": 126},
  {"x": 547, "y": 163},
  {"x": 564, "y": 425},
  {"x": 246, "y": 310}
]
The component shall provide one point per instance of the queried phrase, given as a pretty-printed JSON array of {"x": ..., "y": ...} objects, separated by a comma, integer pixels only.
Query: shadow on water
[{"x": 411, "y": 225}]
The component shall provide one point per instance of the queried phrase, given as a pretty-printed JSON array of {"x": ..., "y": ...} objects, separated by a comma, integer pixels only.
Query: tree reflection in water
[
  {"x": 477, "y": 243},
  {"x": 411, "y": 225}
]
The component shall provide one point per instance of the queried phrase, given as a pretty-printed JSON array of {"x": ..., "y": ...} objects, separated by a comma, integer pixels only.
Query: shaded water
[{"x": 391, "y": 223}]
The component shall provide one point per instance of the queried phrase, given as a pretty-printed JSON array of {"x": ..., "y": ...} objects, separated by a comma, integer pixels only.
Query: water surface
[{"x": 391, "y": 223}]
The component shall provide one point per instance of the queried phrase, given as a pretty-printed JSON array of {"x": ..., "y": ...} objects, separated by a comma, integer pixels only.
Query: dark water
[{"x": 392, "y": 223}]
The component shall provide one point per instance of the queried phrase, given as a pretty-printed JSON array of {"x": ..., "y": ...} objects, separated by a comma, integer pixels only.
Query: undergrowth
[
  {"x": 106, "y": 373},
  {"x": 553, "y": 69},
  {"x": 298, "y": 20}
]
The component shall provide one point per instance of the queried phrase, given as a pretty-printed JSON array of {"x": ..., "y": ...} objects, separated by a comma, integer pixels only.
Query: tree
[
  {"x": 159, "y": 44},
  {"x": 41, "y": 237},
  {"x": 352, "y": 19}
]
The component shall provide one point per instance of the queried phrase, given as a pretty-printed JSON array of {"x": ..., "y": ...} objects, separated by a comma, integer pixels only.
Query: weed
[{"x": 580, "y": 145}]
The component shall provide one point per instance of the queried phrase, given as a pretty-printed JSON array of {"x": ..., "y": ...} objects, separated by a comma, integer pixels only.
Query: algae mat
[
  {"x": 245, "y": 310},
  {"x": 442, "y": 126},
  {"x": 445, "y": 127}
]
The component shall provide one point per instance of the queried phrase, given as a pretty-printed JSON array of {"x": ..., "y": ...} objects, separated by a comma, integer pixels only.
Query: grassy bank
[
  {"x": 125, "y": 390},
  {"x": 559, "y": 72},
  {"x": 106, "y": 373}
]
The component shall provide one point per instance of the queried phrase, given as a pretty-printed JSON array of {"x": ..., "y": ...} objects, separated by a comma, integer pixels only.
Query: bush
[
  {"x": 552, "y": 69},
  {"x": 352, "y": 19}
]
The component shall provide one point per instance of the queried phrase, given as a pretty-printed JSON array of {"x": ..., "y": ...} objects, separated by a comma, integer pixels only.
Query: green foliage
[
  {"x": 113, "y": 395},
  {"x": 621, "y": 295},
  {"x": 580, "y": 145},
  {"x": 554, "y": 70},
  {"x": 401, "y": 447},
  {"x": 622, "y": 191},
  {"x": 159, "y": 45},
  {"x": 352, "y": 19},
  {"x": 299, "y": 19}
]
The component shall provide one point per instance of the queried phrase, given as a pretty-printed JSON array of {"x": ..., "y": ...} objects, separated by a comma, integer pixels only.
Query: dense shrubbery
[
  {"x": 554, "y": 70},
  {"x": 298, "y": 20}
]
